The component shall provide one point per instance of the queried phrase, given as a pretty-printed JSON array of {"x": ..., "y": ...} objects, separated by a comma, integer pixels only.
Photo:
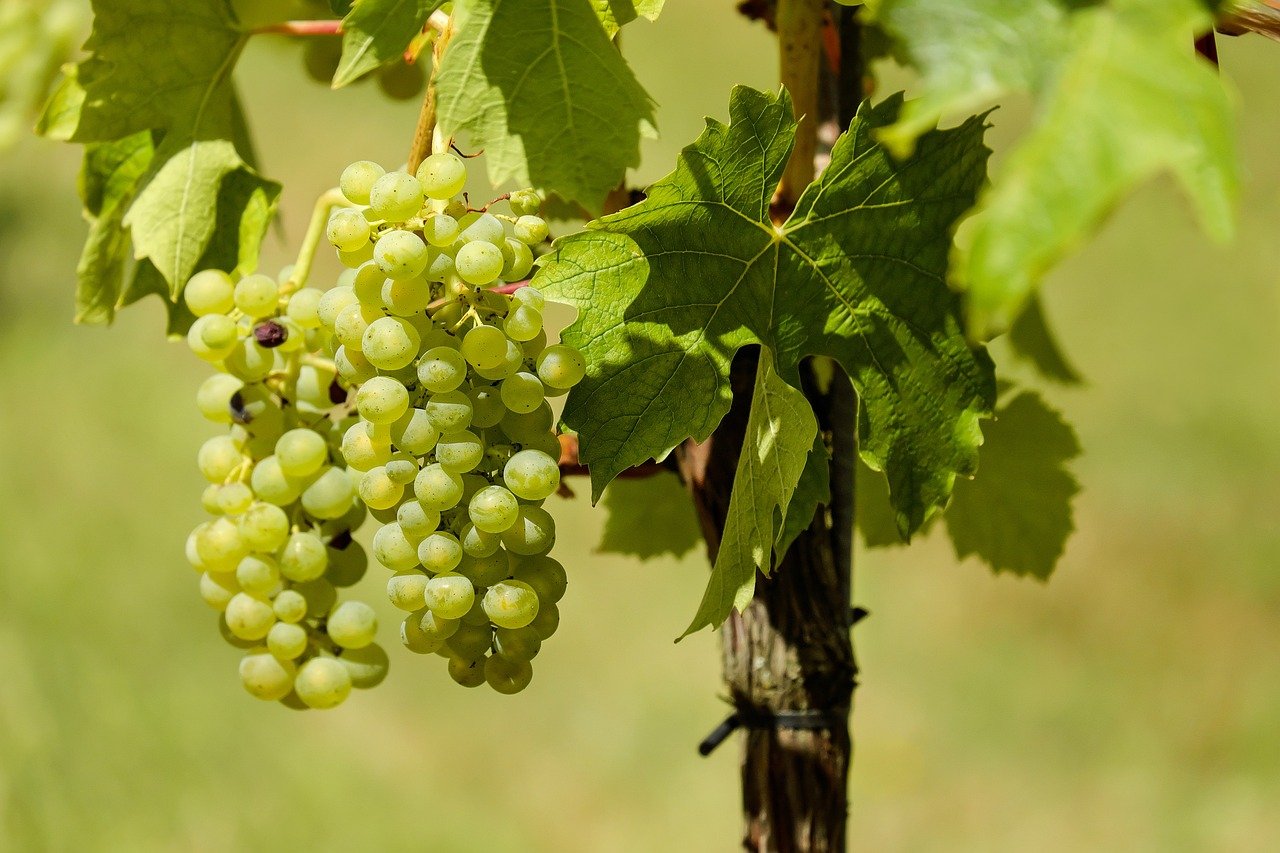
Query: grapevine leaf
[
  {"x": 649, "y": 517},
  {"x": 540, "y": 87},
  {"x": 874, "y": 514},
  {"x": 35, "y": 39},
  {"x": 615, "y": 14},
  {"x": 376, "y": 32},
  {"x": 108, "y": 181},
  {"x": 146, "y": 280},
  {"x": 813, "y": 491},
  {"x": 669, "y": 289},
  {"x": 780, "y": 434},
  {"x": 1015, "y": 514},
  {"x": 1033, "y": 340}
]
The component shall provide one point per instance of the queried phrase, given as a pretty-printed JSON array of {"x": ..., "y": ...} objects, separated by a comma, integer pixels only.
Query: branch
[
  {"x": 570, "y": 466},
  {"x": 424, "y": 133},
  {"x": 301, "y": 28}
]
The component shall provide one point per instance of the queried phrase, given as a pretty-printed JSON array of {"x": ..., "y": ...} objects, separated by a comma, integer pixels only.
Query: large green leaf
[
  {"x": 648, "y": 517},
  {"x": 376, "y": 32},
  {"x": 780, "y": 434},
  {"x": 543, "y": 91},
  {"x": 669, "y": 289},
  {"x": 615, "y": 14},
  {"x": 1015, "y": 515},
  {"x": 812, "y": 492}
]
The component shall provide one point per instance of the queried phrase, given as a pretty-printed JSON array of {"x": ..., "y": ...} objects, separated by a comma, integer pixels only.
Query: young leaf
[
  {"x": 376, "y": 32},
  {"x": 1015, "y": 514},
  {"x": 615, "y": 14},
  {"x": 780, "y": 434},
  {"x": 668, "y": 290},
  {"x": 543, "y": 91},
  {"x": 648, "y": 517}
]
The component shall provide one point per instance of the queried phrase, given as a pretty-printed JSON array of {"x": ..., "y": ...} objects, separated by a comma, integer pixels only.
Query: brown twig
[
  {"x": 426, "y": 128},
  {"x": 302, "y": 28}
]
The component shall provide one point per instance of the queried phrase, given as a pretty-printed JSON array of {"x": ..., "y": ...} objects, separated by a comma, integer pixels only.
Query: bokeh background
[{"x": 1131, "y": 703}]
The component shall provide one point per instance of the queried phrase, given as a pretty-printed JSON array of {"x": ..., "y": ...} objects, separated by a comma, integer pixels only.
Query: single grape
[
  {"x": 414, "y": 433},
  {"x": 394, "y": 549},
  {"x": 485, "y": 571},
  {"x": 209, "y": 292},
  {"x": 530, "y": 296},
  {"x": 442, "y": 369},
  {"x": 545, "y": 575},
  {"x": 330, "y": 495},
  {"x": 402, "y": 468},
  {"x": 523, "y": 323},
  {"x": 436, "y": 488},
  {"x": 304, "y": 307},
  {"x": 525, "y": 203},
  {"x": 352, "y": 366},
  {"x": 367, "y": 666},
  {"x": 213, "y": 337},
  {"x": 532, "y": 475},
  {"x": 507, "y": 676},
  {"x": 479, "y": 262},
  {"x": 300, "y": 452},
  {"x": 413, "y": 638},
  {"x": 264, "y": 527},
  {"x": 466, "y": 672},
  {"x": 322, "y": 682},
  {"x": 487, "y": 408},
  {"x": 290, "y": 606},
  {"x": 382, "y": 400},
  {"x": 524, "y": 428},
  {"x": 258, "y": 575},
  {"x": 352, "y": 625},
  {"x": 517, "y": 260},
  {"x": 440, "y": 552},
  {"x": 511, "y": 364},
  {"x": 287, "y": 641},
  {"x": 406, "y": 298},
  {"x": 521, "y": 393},
  {"x": 333, "y": 303},
  {"x": 266, "y": 676},
  {"x": 530, "y": 230},
  {"x": 249, "y": 618},
  {"x": 443, "y": 175},
  {"x": 401, "y": 254},
  {"x": 561, "y": 366},
  {"x": 220, "y": 546},
  {"x": 449, "y": 595},
  {"x": 440, "y": 230},
  {"x": 449, "y": 411},
  {"x": 417, "y": 521},
  {"x": 485, "y": 347},
  {"x": 390, "y": 343},
  {"x": 479, "y": 543},
  {"x": 217, "y": 590},
  {"x": 511, "y": 604},
  {"x": 534, "y": 532},
  {"x": 271, "y": 484},
  {"x": 361, "y": 450},
  {"x": 358, "y": 258},
  {"x": 471, "y": 641},
  {"x": 493, "y": 509},
  {"x": 218, "y": 458},
  {"x": 459, "y": 452},
  {"x": 401, "y": 81},
  {"x": 406, "y": 590},
  {"x": 378, "y": 490},
  {"x": 517, "y": 644},
  {"x": 547, "y": 620},
  {"x": 249, "y": 361},
  {"x": 303, "y": 557},
  {"x": 358, "y": 179},
  {"x": 396, "y": 197}
]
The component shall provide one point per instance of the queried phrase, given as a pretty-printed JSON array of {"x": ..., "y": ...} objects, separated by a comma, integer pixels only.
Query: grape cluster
[
  {"x": 283, "y": 505},
  {"x": 455, "y": 440}
]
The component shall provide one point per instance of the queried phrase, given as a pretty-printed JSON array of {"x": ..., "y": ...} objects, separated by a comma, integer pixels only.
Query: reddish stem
[{"x": 302, "y": 28}]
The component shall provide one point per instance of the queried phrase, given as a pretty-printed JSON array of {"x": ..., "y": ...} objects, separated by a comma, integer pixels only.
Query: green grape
[
  {"x": 349, "y": 326},
  {"x": 393, "y": 549},
  {"x": 390, "y": 343},
  {"x": 264, "y": 527},
  {"x": 257, "y": 295},
  {"x": 218, "y": 458},
  {"x": 303, "y": 557},
  {"x": 517, "y": 644},
  {"x": 485, "y": 571},
  {"x": 231, "y": 638},
  {"x": 401, "y": 254},
  {"x": 534, "y": 532},
  {"x": 209, "y": 499},
  {"x": 352, "y": 625},
  {"x": 287, "y": 641},
  {"x": 304, "y": 307},
  {"x": 249, "y": 361},
  {"x": 333, "y": 303},
  {"x": 402, "y": 468},
  {"x": 467, "y": 672},
  {"x": 525, "y": 203},
  {"x": 396, "y": 197},
  {"x": 493, "y": 509},
  {"x": 443, "y": 175},
  {"x": 417, "y": 521},
  {"x": 414, "y": 433},
  {"x": 347, "y": 230},
  {"x": 347, "y": 564},
  {"x": 330, "y": 495},
  {"x": 530, "y": 296},
  {"x": 382, "y": 400},
  {"x": 545, "y": 575},
  {"x": 511, "y": 364},
  {"x": 258, "y": 575},
  {"x": 547, "y": 620},
  {"x": 517, "y": 260},
  {"x": 449, "y": 411},
  {"x": 271, "y": 484},
  {"x": 406, "y": 590},
  {"x": 219, "y": 545},
  {"x": 290, "y": 606},
  {"x": 209, "y": 292},
  {"x": 361, "y": 451},
  {"x": 352, "y": 366},
  {"x": 313, "y": 386},
  {"x": 213, "y": 327},
  {"x": 485, "y": 347},
  {"x": 530, "y": 230},
  {"x": 478, "y": 262},
  {"x": 521, "y": 393},
  {"x": 487, "y": 408},
  {"x": 441, "y": 268},
  {"x": 471, "y": 642},
  {"x": 358, "y": 179},
  {"x": 322, "y": 682},
  {"x": 561, "y": 366},
  {"x": 300, "y": 452},
  {"x": 191, "y": 548},
  {"x": 507, "y": 676},
  {"x": 367, "y": 284},
  {"x": 532, "y": 475},
  {"x": 442, "y": 369},
  {"x": 218, "y": 589},
  {"x": 522, "y": 323},
  {"x": 436, "y": 627},
  {"x": 459, "y": 452},
  {"x": 378, "y": 490},
  {"x": 266, "y": 676},
  {"x": 449, "y": 595},
  {"x": 525, "y": 427},
  {"x": 479, "y": 543},
  {"x": 358, "y": 258},
  {"x": 440, "y": 552},
  {"x": 440, "y": 230},
  {"x": 249, "y": 618},
  {"x": 511, "y": 604},
  {"x": 367, "y": 666},
  {"x": 413, "y": 638},
  {"x": 320, "y": 596},
  {"x": 481, "y": 227},
  {"x": 406, "y": 298},
  {"x": 436, "y": 488},
  {"x": 545, "y": 442}
]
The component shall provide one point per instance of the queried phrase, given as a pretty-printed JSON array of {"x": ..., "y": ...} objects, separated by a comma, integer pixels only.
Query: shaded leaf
[
  {"x": 376, "y": 32},
  {"x": 615, "y": 14},
  {"x": 1032, "y": 339},
  {"x": 649, "y": 517},
  {"x": 812, "y": 492}
]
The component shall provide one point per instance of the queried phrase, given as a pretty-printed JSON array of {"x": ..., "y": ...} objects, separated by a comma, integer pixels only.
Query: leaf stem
[
  {"x": 311, "y": 242},
  {"x": 424, "y": 133},
  {"x": 301, "y": 28}
]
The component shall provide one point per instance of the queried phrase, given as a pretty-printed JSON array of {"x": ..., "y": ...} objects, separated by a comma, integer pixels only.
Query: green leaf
[
  {"x": 874, "y": 515},
  {"x": 615, "y": 14},
  {"x": 649, "y": 517},
  {"x": 1033, "y": 340},
  {"x": 813, "y": 491},
  {"x": 146, "y": 280},
  {"x": 108, "y": 180},
  {"x": 1015, "y": 514},
  {"x": 540, "y": 87},
  {"x": 376, "y": 32},
  {"x": 780, "y": 434},
  {"x": 669, "y": 289}
]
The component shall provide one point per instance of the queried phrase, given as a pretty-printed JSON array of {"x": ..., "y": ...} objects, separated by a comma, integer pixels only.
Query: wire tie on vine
[{"x": 810, "y": 719}]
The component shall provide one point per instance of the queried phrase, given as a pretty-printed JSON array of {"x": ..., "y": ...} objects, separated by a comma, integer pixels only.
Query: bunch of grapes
[
  {"x": 283, "y": 505},
  {"x": 455, "y": 441}
]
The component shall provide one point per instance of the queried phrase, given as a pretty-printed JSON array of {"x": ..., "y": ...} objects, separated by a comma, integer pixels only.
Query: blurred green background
[{"x": 1132, "y": 703}]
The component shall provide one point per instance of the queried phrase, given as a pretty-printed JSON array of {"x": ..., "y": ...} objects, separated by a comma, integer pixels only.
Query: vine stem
[
  {"x": 311, "y": 242},
  {"x": 324, "y": 27},
  {"x": 425, "y": 131}
]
